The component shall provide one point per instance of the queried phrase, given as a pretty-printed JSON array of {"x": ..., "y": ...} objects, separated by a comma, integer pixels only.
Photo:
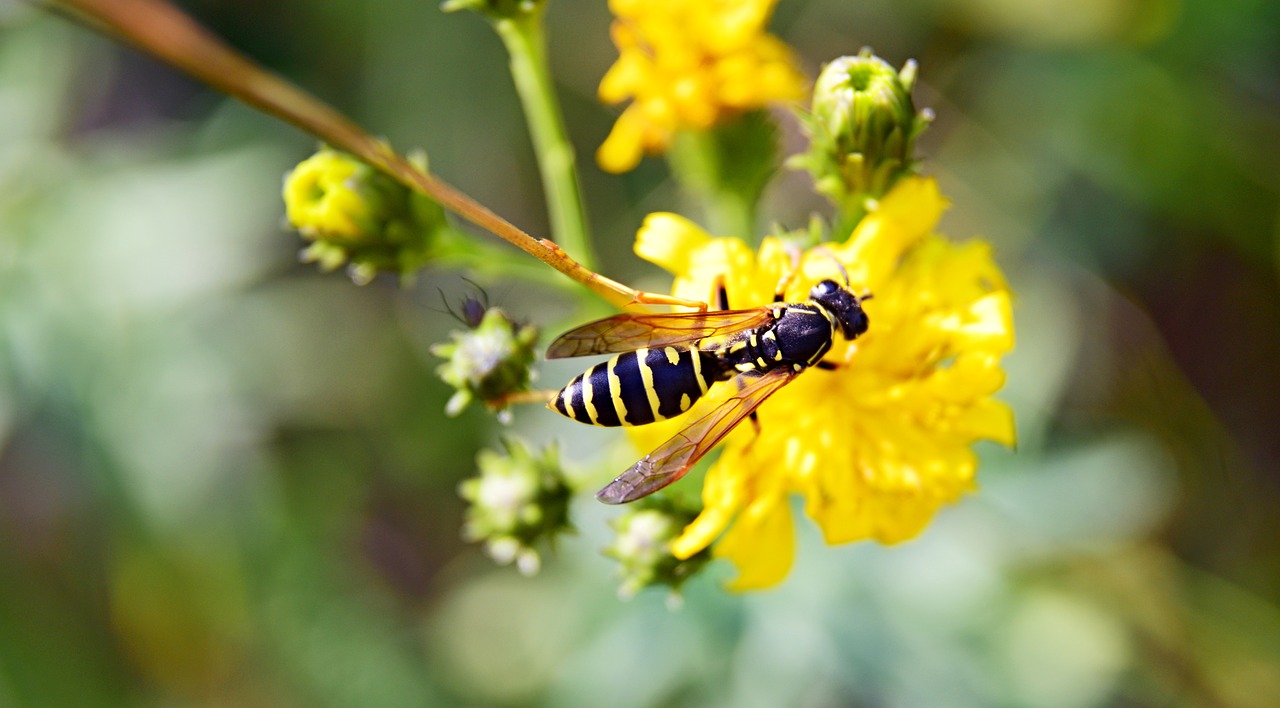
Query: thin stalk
[
  {"x": 163, "y": 31},
  {"x": 525, "y": 39}
]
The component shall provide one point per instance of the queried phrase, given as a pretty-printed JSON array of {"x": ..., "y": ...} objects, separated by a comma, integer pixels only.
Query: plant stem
[{"x": 525, "y": 38}]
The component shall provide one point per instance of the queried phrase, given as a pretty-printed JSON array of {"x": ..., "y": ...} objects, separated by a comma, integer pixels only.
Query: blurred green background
[{"x": 226, "y": 479}]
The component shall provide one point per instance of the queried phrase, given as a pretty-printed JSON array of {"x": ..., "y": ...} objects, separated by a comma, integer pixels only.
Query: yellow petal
[
  {"x": 988, "y": 419},
  {"x": 626, "y": 8},
  {"x": 621, "y": 80},
  {"x": 985, "y": 324},
  {"x": 896, "y": 518},
  {"x": 971, "y": 376},
  {"x": 761, "y": 543},
  {"x": 726, "y": 261},
  {"x": 904, "y": 216},
  {"x": 670, "y": 240},
  {"x": 624, "y": 147},
  {"x": 975, "y": 261},
  {"x": 722, "y": 493},
  {"x": 841, "y": 521},
  {"x": 836, "y": 506},
  {"x": 728, "y": 25},
  {"x": 915, "y": 204}
]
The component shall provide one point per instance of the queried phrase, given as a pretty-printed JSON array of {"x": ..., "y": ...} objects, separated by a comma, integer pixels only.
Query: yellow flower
[
  {"x": 689, "y": 65},
  {"x": 323, "y": 197},
  {"x": 877, "y": 446}
]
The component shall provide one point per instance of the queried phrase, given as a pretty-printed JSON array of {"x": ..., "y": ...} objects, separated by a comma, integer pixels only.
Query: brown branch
[{"x": 160, "y": 29}]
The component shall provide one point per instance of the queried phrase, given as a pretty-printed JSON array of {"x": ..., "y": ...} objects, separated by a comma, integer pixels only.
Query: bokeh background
[{"x": 226, "y": 479}]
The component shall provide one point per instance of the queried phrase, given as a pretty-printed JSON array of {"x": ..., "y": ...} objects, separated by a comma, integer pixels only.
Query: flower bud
[
  {"x": 355, "y": 215},
  {"x": 863, "y": 129},
  {"x": 643, "y": 546},
  {"x": 517, "y": 500},
  {"x": 489, "y": 362}
]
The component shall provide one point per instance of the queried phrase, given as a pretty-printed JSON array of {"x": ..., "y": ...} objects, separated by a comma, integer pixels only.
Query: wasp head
[{"x": 844, "y": 305}]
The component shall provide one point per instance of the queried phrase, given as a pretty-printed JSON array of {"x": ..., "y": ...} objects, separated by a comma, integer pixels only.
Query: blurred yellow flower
[
  {"x": 323, "y": 198},
  {"x": 689, "y": 65},
  {"x": 878, "y": 445}
]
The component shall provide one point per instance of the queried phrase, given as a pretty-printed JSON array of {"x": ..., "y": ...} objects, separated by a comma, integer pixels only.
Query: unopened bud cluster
[
  {"x": 488, "y": 362},
  {"x": 643, "y": 546},
  {"x": 356, "y": 216},
  {"x": 518, "y": 500},
  {"x": 863, "y": 129}
]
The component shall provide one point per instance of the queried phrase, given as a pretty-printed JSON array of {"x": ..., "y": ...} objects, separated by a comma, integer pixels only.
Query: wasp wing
[
  {"x": 672, "y": 459},
  {"x": 624, "y": 333}
]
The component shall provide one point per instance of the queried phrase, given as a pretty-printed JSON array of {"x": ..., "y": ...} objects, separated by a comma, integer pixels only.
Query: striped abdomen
[{"x": 639, "y": 387}]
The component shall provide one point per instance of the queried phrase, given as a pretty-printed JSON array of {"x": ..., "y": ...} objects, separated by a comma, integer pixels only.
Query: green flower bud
[
  {"x": 354, "y": 214},
  {"x": 863, "y": 130},
  {"x": 643, "y": 546},
  {"x": 488, "y": 362},
  {"x": 518, "y": 500}
]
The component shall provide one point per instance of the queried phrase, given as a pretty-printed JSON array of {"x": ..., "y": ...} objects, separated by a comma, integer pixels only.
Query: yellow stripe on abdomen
[
  {"x": 615, "y": 393},
  {"x": 586, "y": 399},
  {"x": 646, "y": 376}
]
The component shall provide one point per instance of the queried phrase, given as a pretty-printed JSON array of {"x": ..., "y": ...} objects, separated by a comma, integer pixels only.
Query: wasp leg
[
  {"x": 642, "y": 297},
  {"x": 780, "y": 291},
  {"x": 551, "y": 254},
  {"x": 827, "y": 366},
  {"x": 755, "y": 426},
  {"x": 753, "y": 415},
  {"x": 720, "y": 295}
]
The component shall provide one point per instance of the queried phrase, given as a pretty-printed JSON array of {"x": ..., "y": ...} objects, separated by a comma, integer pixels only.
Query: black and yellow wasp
[{"x": 668, "y": 361}]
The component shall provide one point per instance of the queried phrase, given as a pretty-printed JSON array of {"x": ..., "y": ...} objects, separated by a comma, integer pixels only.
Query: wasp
[{"x": 663, "y": 363}]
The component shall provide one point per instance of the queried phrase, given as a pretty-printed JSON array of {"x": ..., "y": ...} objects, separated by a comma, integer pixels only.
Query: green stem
[
  {"x": 525, "y": 40},
  {"x": 697, "y": 161}
]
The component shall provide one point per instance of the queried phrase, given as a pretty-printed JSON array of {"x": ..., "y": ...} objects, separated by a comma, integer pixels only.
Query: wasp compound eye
[{"x": 823, "y": 289}]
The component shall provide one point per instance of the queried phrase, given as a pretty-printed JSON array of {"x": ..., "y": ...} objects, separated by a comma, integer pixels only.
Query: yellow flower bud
[
  {"x": 327, "y": 197},
  {"x": 356, "y": 215}
]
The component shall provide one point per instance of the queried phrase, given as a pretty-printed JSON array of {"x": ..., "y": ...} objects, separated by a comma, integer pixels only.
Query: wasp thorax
[{"x": 843, "y": 304}]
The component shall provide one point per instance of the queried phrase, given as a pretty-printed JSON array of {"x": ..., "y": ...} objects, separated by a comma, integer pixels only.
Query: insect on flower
[{"x": 665, "y": 362}]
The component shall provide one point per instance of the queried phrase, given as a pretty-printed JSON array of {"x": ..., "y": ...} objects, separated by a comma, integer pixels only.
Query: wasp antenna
[
  {"x": 484, "y": 294},
  {"x": 843, "y": 273},
  {"x": 444, "y": 300}
]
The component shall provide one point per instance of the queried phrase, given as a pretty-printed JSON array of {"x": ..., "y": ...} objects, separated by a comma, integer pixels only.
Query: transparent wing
[
  {"x": 672, "y": 459},
  {"x": 624, "y": 333}
]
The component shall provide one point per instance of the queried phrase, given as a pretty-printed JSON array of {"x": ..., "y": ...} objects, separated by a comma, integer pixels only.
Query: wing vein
[{"x": 673, "y": 459}]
